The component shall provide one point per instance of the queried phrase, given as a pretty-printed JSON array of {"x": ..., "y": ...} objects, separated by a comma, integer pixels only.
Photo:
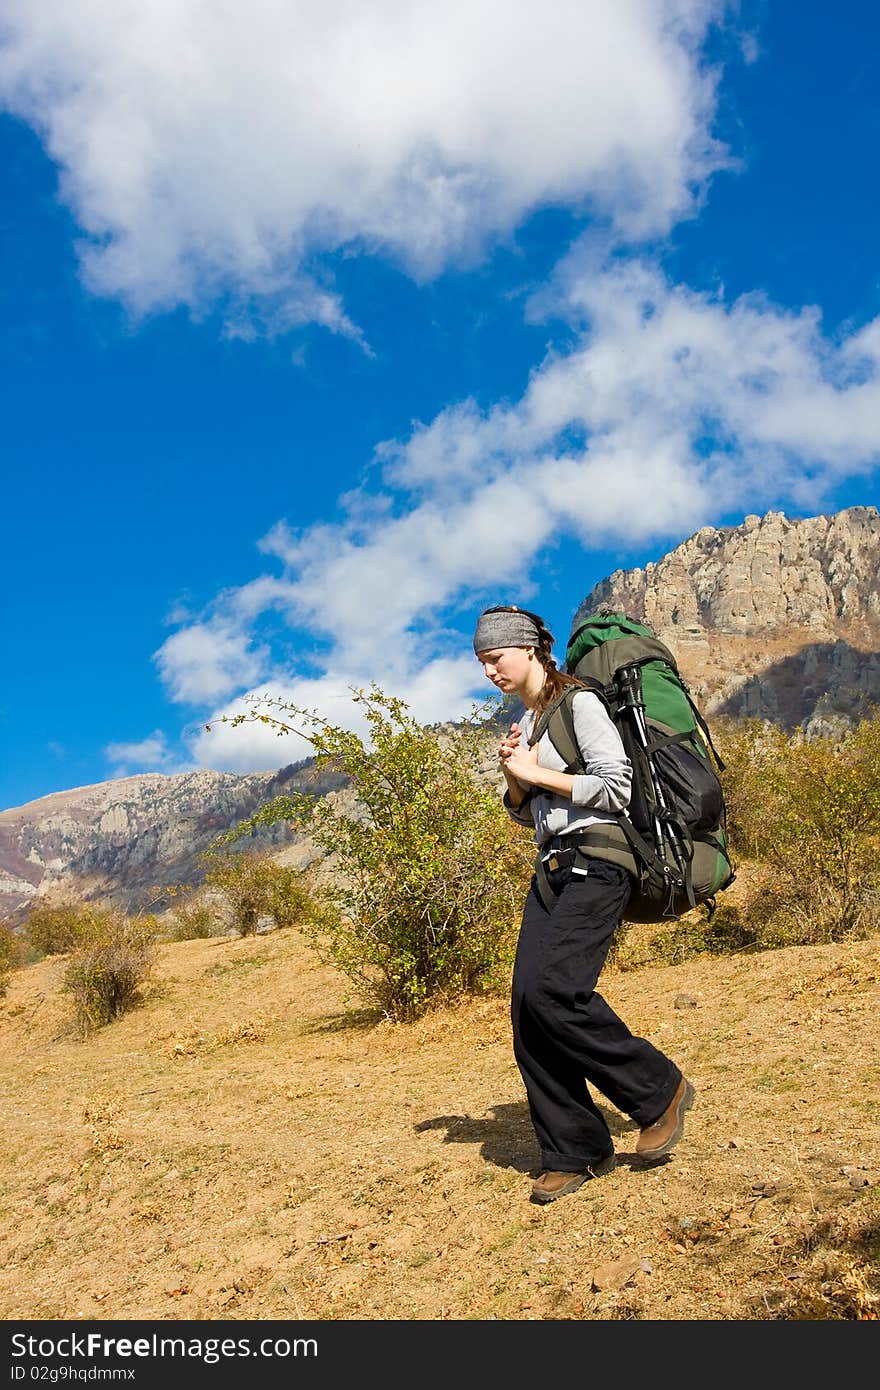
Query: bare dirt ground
[{"x": 242, "y": 1147}]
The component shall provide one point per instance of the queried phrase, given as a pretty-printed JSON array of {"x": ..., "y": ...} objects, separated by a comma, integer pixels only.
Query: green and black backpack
[{"x": 673, "y": 837}]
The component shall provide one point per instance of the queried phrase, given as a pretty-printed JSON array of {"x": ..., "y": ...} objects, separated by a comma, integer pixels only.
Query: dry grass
[{"x": 242, "y": 1147}]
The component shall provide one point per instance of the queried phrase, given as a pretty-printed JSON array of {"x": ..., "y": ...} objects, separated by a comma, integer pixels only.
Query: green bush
[
  {"x": 108, "y": 970},
  {"x": 804, "y": 827},
  {"x": 191, "y": 921},
  {"x": 809, "y": 812},
  {"x": 57, "y": 928},
  {"x": 428, "y": 871},
  {"x": 10, "y": 955},
  {"x": 255, "y": 887}
]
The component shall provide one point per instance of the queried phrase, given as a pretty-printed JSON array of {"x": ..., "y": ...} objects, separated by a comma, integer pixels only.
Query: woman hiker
[{"x": 565, "y": 1035}]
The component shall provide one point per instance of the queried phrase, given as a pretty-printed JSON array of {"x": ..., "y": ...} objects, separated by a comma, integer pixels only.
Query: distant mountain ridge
[
  {"x": 123, "y": 839},
  {"x": 774, "y": 618}
]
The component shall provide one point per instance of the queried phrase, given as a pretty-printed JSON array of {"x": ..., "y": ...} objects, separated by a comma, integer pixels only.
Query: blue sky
[{"x": 326, "y": 325}]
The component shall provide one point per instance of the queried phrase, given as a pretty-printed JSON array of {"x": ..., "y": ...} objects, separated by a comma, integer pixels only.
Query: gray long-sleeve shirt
[{"x": 599, "y": 793}]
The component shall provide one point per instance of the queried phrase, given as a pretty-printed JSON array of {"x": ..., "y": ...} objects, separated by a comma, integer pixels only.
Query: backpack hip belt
[{"x": 608, "y": 841}]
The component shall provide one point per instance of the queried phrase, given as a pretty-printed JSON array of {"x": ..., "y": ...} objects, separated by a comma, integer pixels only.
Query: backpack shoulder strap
[
  {"x": 704, "y": 727},
  {"x": 557, "y": 722}
]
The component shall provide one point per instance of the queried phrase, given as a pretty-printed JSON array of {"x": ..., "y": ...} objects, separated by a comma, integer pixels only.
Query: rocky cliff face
[
  {"x": 775, "y": 619},
  {"x": 123, "y": 840}
]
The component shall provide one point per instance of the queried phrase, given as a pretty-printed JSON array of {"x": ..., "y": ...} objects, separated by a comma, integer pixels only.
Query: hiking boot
[
  {"x": 657, "y": 1139},
  {"x": 551, "y": 1185}
]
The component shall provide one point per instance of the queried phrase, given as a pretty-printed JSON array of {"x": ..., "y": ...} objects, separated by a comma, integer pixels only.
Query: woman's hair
[{"x": 555, "y": 681}]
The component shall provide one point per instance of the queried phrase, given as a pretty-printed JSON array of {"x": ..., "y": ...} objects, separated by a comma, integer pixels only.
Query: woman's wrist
[
  {"x": 560, "y": 783},
  {"x": 516, "y": 792}
]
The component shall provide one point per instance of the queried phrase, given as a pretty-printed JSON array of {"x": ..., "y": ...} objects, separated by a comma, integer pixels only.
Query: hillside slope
[{"x": 242, "y": 1147}]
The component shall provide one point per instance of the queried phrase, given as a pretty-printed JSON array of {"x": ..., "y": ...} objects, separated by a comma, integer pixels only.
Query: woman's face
[{"x": 508, "y": 668}]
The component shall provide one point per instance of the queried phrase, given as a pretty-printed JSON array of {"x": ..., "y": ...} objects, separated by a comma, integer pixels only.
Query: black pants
[{"x": 564, "y": 1033}]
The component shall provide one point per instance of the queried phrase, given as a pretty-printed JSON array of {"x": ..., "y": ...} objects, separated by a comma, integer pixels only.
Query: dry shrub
[
  {"x": 56, "y": 928},
  {"x": 257, "y": 890},
  {"x": 189, "y": 1043},
  {"x": 10, "y": 955},
  {"x": 192, "y": 921},
  {"x": 196, "y": 1040},
  {"x": 102, "y": 1108},
  {"x": 107, "y": 972},
  {"x": 101, "y": 1111},
  {"x": 809, "y": 809},
  {"x": 834, "y": 1288},
  {"x": 150, "y": 1213}
]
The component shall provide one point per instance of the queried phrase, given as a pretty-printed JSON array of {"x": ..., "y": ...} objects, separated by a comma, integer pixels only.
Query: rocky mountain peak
[
  {"x": 770, "y": 574},
  {"x": 775, "y": 619}
]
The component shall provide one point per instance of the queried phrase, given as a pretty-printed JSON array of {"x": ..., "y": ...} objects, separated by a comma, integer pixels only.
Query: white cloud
[
  {"x": 207, "y": 661},
  {"x": 673, "y": 408},
  {"x": 149, "y": 754},
  {"x": 211, "y": 151},
  {"x": 678, "y": 363},
  {"x": 438, "y": 692}
]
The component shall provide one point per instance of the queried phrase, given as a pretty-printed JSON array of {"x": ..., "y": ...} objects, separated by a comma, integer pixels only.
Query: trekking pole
[{"x": 630, "y": 682}]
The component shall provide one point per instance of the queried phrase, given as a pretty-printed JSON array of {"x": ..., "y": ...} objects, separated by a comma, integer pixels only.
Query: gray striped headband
[{"x": 505, "y": 629}]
